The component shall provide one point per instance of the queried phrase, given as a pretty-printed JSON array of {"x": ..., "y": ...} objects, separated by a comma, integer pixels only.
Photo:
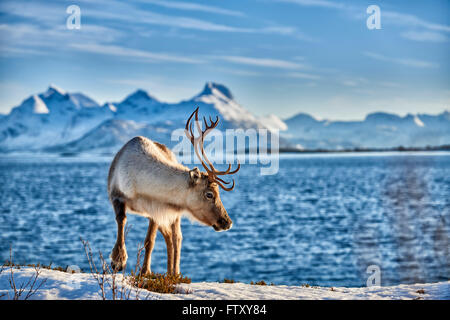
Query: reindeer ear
[{"x": 195, "y": 176}]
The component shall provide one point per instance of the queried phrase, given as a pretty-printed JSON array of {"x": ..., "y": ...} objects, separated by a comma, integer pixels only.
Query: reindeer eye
[{"x": 209, "y": 195}]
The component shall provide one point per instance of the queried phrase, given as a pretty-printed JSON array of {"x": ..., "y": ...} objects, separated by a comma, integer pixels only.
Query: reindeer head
[{"x": 204, "y": 200}]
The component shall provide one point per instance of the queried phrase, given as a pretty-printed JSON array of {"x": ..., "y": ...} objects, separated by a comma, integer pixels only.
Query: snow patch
[
  {"x": 63, "y": 286},
  {"x": 418, "y": 122},
  {"x": 39, "y": 106},
  {"x": 272, "y": 122}
]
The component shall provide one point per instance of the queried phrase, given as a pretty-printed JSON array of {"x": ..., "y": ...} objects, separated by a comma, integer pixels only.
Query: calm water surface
[{"x": 321, "y": 220}]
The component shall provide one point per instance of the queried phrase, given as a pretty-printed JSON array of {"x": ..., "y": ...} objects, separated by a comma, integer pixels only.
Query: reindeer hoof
[
  {"x": 144, "y": 273},
  {"x": 117, "y": 266},
  {"x": 119, "y": 258}
]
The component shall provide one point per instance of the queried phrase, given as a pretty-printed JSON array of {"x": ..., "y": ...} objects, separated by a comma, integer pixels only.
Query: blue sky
[{"x": 281, "y": 57}]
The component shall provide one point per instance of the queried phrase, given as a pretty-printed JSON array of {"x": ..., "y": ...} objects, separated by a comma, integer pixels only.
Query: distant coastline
[{"x": 445, "y": 147}]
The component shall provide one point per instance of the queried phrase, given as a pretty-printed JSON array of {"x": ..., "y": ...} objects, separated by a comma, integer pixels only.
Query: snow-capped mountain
[
  {"x": 50, "y": 118},
  {"x": 214, "y": 100},
  {"x": 272, "y": 122},
  {"x": 142, "y": 114},
  {"x": 138, "y": 106},
  {"x": 377, "y": 130},
  {"x": 61, "y": 121},
  {"x": 219, "y": 98}
]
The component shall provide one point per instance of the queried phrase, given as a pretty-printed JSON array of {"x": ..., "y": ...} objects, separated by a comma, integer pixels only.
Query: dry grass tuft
[
  {"x": 159, "y": 282},
  {"x": 259, "y": 283},
  {"x": 420, "y": 291}
]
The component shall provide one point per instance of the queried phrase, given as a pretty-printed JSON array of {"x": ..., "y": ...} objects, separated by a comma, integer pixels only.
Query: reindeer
[{"x": 146, "y": 179}]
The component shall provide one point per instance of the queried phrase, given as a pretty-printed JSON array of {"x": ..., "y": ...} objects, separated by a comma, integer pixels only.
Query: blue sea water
[{"x": 322, "y": 220}]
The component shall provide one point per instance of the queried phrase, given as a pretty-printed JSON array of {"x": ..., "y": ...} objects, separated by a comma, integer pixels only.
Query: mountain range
[
  {"x": 59, "y": 121},
  {"x": 377, "y": 130}
]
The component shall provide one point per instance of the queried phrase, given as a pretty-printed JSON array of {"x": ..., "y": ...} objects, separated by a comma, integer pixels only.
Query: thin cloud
[
  {"x": 403, "y": 61},
  {"x": 131, "y": 53},
  {"x": 25, "y": 39},
  {"x": 411, "y": 21},
  {"x": 316, "y": 3},
  {"x": 238, "y": 72},
  {"x": 262, "y": 62},
  {"x": 130, "y": 13},
  {"x": 8, "y": 51},
  {"x": 425, "y": 36},
  {"x": 354, "y": 82},
  {"x": 194, "y": 7},
  {"x": 302, "y": 75},
  {"x": 46, "y": 14},
  {"x": 153, "y": 18},
  {"x": 389, "y": 84}
]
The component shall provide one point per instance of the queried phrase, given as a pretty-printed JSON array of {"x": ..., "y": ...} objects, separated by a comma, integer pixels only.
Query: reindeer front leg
[
  {"x": 119, "y": 254},
  {"x": 149, "y": 244},
  {"x": 176, "y": 239}
]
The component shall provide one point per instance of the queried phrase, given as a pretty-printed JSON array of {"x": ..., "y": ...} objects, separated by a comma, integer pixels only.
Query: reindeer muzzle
[{"x": 223, "y": 224}]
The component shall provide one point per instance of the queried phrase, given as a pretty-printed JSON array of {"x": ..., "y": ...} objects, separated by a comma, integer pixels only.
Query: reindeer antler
[{"x": 213, "y": 173}]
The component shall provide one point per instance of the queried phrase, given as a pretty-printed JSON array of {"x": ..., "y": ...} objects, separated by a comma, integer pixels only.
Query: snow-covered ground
[{"x": 62, "y": 285}]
